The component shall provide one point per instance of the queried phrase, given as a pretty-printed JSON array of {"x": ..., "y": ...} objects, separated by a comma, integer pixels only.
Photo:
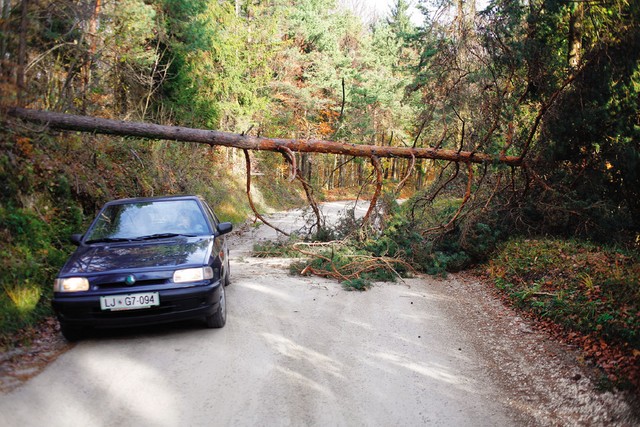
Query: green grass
[
  {"x": 31, "y": 254},
  {"x": 24, "y": 297}
]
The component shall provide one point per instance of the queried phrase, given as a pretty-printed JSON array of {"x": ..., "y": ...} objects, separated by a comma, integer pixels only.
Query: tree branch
[
  {"x": 404, "y": 180},
  {"x": 309, "y": 193},
  {"x": 253, "y": 208}
]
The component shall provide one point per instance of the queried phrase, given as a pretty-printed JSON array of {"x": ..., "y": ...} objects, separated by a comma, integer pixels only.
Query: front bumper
[{"x": 175, "y": 304}]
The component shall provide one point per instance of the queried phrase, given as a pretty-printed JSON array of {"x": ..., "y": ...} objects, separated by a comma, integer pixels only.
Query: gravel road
[{"x": 301, "y": 351}]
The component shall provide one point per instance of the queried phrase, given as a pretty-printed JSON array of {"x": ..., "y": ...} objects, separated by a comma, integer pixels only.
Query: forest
[{"x": 553, "y": 85}]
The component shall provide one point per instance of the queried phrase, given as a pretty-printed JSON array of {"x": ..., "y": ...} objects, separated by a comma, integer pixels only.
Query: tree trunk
[
  {"x": 420, "y": 173},
  {"x": 22, "y": 52},
  {"x": 576, "y": 18},
  {"x": 5, "y": 11},
  {"x": 93, "y": 43},
  {"x": 211, "y": 137}
]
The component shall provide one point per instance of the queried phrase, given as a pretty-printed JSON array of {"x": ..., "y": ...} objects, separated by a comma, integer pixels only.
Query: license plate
[{"x": 130, "y": 301}]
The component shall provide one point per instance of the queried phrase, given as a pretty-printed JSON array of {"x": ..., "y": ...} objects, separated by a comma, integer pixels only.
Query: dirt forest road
[{"x": 301, "y": 351}]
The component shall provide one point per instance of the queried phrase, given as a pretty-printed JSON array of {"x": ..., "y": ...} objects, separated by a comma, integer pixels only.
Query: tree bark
[
  {"x": 93, "y": 45},
  {"x": 211, "y": 137},
  {"x": 22, "y": 51},
  {"x": 576, "y": 18}
]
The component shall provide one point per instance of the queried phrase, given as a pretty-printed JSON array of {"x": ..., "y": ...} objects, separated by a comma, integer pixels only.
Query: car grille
[{"x": 122, "y": 285}]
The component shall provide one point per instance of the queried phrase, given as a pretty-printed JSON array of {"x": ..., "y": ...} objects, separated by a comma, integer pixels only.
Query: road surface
[{"x": 301, "y": 351}]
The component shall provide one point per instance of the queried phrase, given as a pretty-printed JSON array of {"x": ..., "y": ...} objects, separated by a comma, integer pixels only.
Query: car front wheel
[{"x": 219, "y": 318}]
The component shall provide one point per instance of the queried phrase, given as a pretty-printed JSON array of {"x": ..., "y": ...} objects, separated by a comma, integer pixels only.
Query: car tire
[
  {"x": 226, "y": 280},
  {"x": 72, "y": 333},
  {"x": 227, "y": 277},
  {"x": 219, "y": 318}
]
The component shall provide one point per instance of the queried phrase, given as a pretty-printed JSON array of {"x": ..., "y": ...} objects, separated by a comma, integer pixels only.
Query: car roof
[{"x": 155, "y": 199}]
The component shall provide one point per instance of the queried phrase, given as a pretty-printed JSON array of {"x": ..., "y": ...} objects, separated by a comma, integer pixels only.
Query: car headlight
[
  {"x": 192, "y": 274},
  {"x": 71, "y": 284}
]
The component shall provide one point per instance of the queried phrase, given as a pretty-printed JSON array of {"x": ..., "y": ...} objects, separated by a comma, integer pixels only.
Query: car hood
[{"x": 172, "y": 253}]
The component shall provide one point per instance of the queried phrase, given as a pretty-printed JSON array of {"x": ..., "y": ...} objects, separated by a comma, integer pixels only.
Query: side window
[{"x": 211, "y": 215}]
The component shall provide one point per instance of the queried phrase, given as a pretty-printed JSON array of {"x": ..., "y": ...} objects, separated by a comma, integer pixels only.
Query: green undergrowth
[
  {"x": 592, "y": 292},
  {"x": 356, "y": 269},
  {"x": 406, "y": 235},
  {"x": 583, "y": 287},
  {"x": 54, "y": 184},
  {"x": 273, "y": 249},
  {"x": 32, "y": 251}
]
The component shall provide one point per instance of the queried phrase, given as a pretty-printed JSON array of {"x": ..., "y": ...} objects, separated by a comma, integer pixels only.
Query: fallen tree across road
[
  {"x": 211, "y": 137},
  {"x": 287, "y": 147}
]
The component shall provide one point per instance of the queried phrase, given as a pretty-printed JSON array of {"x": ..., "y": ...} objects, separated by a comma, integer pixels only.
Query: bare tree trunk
[
  {"x": 575, "y": 35},
  {"x": 305, "y": 167},
  {"x": 460, "y": 19},
  {"x": 86, "y": 68},
  {"x": 175, "y": 133},
  {"x": 420, "y": 177},
  {"x": 394, "y": 169},
  {"x": 22, "y": 52},
  {"x": 5, "y": 11}
]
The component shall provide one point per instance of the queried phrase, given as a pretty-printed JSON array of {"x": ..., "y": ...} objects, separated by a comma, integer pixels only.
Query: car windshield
[{"x": 150, "y": 220}]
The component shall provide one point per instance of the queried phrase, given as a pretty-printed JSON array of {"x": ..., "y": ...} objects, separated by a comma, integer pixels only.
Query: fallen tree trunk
[{"x": 211, "y": 137}]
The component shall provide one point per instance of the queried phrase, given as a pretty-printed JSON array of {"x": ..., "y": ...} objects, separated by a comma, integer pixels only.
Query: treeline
[{"x": 308, "y": 69}]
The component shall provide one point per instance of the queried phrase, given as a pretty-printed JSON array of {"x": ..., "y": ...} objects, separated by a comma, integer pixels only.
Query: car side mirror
[
  {"x": 76, "y": 239},
  {"x": 224, "y": 228}
]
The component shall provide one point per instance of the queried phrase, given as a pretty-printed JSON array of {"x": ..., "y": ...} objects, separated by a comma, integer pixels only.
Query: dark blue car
[{"x": 145, "y": 261}]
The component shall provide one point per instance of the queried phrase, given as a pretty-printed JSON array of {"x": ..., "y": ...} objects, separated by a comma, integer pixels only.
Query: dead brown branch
[
  {"x": 467, "y": 196},
  {"x": 543, "y": 110},
  {"x": 309, "y": 193},
  {"x": 445, "y": 130},
  {"x": 253, "y": 208},
  {"x": 291, "y": 159},
  {"x": 401, "y": 184},
  {"x": 454, "y": 176},
  {"x": 493, "y": 193}
]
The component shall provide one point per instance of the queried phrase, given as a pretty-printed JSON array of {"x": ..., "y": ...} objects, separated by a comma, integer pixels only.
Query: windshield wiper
[
  {"x": 163, "y": 236},
  {"x": 109, "y": 240}
]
